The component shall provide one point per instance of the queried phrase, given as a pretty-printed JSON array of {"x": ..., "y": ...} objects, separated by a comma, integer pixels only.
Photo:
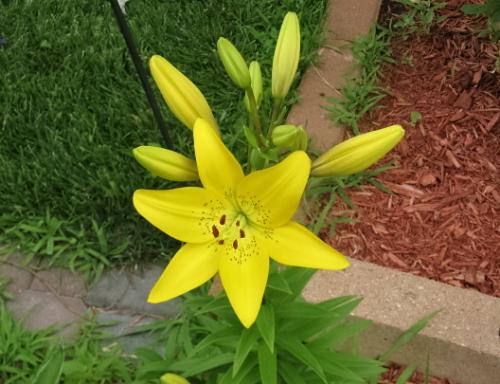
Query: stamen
[
  {"x": 235, "y": 244},
  {"x": 215, "y": 231},
  {"x": 221, "y": 242},
  {"x": 222, "y": 220},
  {"x": 242, "y": 233}
]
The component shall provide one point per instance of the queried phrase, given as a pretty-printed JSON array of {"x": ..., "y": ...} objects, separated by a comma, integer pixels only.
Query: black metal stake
[{"x": 141, "y": 71}]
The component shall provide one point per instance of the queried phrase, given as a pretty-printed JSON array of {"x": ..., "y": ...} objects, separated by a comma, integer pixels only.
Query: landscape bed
[{"x": 441, "y": 220}]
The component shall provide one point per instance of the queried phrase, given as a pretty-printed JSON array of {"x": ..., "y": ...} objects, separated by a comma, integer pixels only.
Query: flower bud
[
  {"x": 256, "y": 82},
  {"x": 183, "y": 98},
  {"x": 358, "y": 153},
  {"x": 286, "y": 56},
  {"x": 166, "y": 164},
  {"x": 234, "y": 63},
  {"x": 170, "y": 378},
  {"x": 290, "y": 136}
]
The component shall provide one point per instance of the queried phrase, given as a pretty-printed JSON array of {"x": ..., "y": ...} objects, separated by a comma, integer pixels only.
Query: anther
[
  {"x": 221, "y": 242},
  {"x": 222, "y": 220},
  {"x": 215, "y": 231},
  {"x": 235, "y": 244},
  {"x": 237, "y": 223},
  {"x": 242, "y": 233}
]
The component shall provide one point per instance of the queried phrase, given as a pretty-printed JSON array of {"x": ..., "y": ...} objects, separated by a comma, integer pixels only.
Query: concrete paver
[
  {"x": 39, "y": 310},
  {"x": 350, "y": 19},
  {"x": 19, "y": 277},
  {"x": 127, "y": 290},
  {"x": 59, "y": 280}
]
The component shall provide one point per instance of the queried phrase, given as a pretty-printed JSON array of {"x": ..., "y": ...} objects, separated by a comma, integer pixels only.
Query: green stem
[
  {"x": 277, "y": 105},
  {"x": 254, "y": 117}
]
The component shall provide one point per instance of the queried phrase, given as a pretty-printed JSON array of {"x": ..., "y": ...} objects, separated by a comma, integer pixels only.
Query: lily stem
[
  {"x": 275, "y": 114},
  {"x": 254, "y": 118}
]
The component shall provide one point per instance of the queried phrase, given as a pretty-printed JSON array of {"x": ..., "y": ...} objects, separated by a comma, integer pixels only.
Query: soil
[{"x": 442, "y": 220}]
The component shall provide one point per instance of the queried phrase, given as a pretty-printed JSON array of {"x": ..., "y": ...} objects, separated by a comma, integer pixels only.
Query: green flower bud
[
  {"x": 256, "y": 82},
  {"x": 166, "y": 164},
  {"x": 293, "y": 137},
  {"x": 358, "y": 153},
  {"x": 234, "y": 63},
  {"x": 183, "y": 98},
  {"x": 286, "y": 56}
]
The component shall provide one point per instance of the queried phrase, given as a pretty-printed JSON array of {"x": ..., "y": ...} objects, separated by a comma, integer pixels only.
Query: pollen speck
[
  {"x": 222, "y": 220},
  {"x": 242, "y": 233},
  {"x": 235, "y": 244},
  {"x": 215, "y": 231},
  {"x": 221, "y": 242},
  {"x": 237, "y": 223}
]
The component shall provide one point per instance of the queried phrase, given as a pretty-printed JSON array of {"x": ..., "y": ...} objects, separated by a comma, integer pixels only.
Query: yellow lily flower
[
  {"x": 286, "y": 56},
  {"x": 166, "y": 164},
  {"x": 183, "y": 98},
  {"x": 358, "y": 153},
  {"x": 171, "y": 378},
  {"x": 233, "y": 225}
]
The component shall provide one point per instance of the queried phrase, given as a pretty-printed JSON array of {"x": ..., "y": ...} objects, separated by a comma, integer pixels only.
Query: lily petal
[
  {"x": 244, "y": 277},
  {"x": 293, "y": 244},
  {"x": 270, "y": 197},
  {"x": 192, "y": 265},
  {"x": 218, "y": 169},
  {"x": 186, "y": 214}
]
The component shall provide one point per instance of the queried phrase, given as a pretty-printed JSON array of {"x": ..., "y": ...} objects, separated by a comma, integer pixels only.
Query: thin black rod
[{"x": 141, "y": 71}]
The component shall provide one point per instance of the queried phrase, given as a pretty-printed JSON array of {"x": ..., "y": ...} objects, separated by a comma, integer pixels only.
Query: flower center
[{"x": 230, "y": 230}]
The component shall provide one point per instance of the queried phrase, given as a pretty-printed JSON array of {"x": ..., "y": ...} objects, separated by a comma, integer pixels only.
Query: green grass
[
  {"x": 24, "y": 353},
  {"x": 71, "y": 110}
]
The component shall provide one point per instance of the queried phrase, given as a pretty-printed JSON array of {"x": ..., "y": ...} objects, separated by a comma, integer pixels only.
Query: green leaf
[
  {"x": 278, "y": 283},
  {"x": 408, "y": 335},
  {"x": 195, "y": 366},
  {"x": 50, "y": 371},
  {"x": 415, "y": 117},
  {"x": 300, "y": 310},
  {"x": 406, "y": 374},
  {"x": 340, "y": 333},
  {"x": 267, "y": 365},
  {"x": 221, "y": 337},
  {"x": 293, "y": 346},
  {"x": 265, "y": 325},
  {"x": 250, "y": 136},
  {"x": 247, "y": 341},
  {"x": 290, "y": 374},
  {"x": 472, "y": 9}
]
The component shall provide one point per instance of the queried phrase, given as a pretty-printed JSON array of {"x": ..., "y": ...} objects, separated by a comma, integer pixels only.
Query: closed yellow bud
[
  {"x": 183, "y": 98},
  {"x": 290, "y": 136},
  {"x": 234, "y": 63},
  {"x": 166, "y": 164},
  {"x": 286, "y": 56},
  {"x": 170, "y": 378},
  {"x": 256, "y": 82},
  {"x": 358, "y": 153}
]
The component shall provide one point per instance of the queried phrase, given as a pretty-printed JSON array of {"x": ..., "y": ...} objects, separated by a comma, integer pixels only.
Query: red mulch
[
  {"x": 395, "y": 371},
  {"x": 443, "y": 219}
]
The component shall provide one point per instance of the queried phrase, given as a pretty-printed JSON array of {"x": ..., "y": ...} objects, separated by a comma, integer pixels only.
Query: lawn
[{"x": 72, "y": 109}]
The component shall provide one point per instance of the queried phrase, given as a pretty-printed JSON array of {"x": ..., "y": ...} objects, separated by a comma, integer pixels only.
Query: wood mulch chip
[{"x": 443, "y": 219}]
